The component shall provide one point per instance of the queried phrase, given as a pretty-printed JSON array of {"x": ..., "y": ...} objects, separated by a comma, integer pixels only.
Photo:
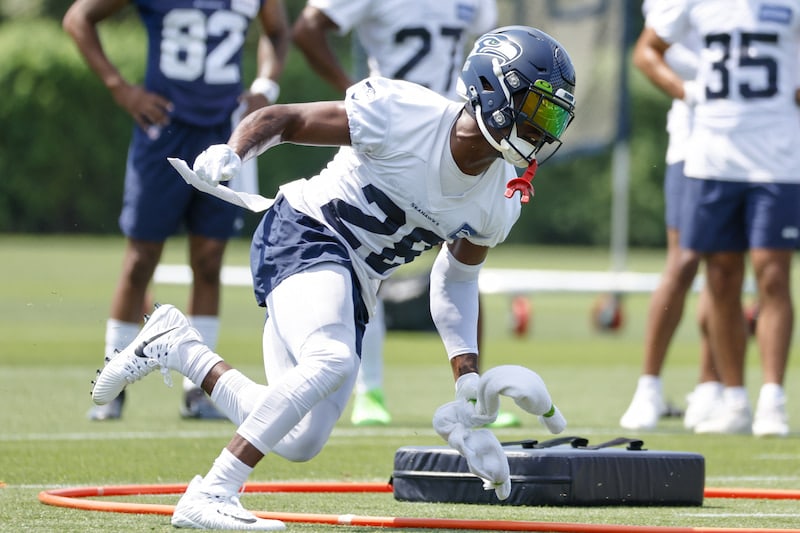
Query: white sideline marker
[{"x": 491, "y": 281}]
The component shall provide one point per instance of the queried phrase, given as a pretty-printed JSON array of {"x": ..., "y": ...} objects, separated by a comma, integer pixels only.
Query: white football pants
[{"x": 310, "y": 360}]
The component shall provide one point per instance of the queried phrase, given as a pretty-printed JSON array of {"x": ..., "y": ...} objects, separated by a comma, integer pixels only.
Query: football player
[
  {"x": 415, "y": 170},
  {"x": 743, "y": 185},
  {"x": 193, "y": 85}
]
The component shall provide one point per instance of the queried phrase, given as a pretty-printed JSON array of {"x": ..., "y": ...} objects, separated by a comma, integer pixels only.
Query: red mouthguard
[{"x": 522, "y": 184}]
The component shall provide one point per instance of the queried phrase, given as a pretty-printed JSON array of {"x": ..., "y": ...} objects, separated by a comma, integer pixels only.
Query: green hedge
[{"x": 63, "y": 144}]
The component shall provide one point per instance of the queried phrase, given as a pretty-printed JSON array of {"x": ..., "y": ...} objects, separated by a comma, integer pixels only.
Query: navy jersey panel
[
  {"x": 157, "y": 203},
  {"x": 287, "y": 242},
  {"x": 194, "y": 55}
]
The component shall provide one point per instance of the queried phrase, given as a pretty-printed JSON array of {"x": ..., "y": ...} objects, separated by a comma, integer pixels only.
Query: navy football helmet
[{"x": 517, "y": 78}]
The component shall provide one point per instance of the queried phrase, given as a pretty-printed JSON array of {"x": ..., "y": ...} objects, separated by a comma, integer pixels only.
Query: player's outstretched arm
[
  {"x": 454, "y": 302},
  {"x": 314, "y": 123}
]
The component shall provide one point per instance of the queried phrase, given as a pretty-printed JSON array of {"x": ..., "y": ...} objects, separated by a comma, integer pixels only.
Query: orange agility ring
[{"x": 73, "y": 498}]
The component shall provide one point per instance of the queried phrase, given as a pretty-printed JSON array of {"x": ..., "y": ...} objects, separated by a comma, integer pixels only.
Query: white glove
[
  {"x": 693, "y": 93},
  {"x": 217, "y": 163},
  {"x": 467, "y": 386},
  {"x": 467, "y": 390},
  {"x": 525, "y": 387},
  {"x": 483, "y": 452}
]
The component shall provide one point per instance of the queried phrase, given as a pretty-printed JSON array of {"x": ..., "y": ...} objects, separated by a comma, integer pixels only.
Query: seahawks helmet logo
[{"x": 498, "y": 46}]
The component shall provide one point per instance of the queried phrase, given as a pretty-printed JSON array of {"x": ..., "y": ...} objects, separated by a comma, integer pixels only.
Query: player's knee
[
  {"x": 304, "y": 448},
  {"x": 308, "y": 438},
  {"x": 334, "y": 363}
]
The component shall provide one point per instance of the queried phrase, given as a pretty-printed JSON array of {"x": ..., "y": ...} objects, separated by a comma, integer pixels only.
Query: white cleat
[
  {"x": 702, "y": 402},
  {"x": 726, "y": 420},
  {"x": 201, "y": 510},
  {"x": 771, "y": 419},
  {"x": 646, "y": 407},
  {"x": 153, "y": 348}
]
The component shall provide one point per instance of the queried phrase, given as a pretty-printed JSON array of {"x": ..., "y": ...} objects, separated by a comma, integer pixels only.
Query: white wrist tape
[
  {"x": 454, "y": 303},
  {"x": 269, "y": 88}
]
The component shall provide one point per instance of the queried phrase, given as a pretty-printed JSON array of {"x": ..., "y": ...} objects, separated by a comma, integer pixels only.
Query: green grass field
[{"x": 54, "y": 298}]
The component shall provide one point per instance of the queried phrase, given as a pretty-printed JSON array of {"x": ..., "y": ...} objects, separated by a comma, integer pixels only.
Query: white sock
[
  {"x": 235, "y": 395},
  {"x": 208, "y": 327},
  {"x": 227, "y": 475},
  {"x": 649, "y": 382},
  {"x": 771, "y": 393},
  {"x": 709, "y": 387},
  {"x": 119, "y": 335},
  {"x": 195, "y": 361}
]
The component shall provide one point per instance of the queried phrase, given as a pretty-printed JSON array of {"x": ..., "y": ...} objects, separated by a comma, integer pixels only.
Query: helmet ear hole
[{"x": 499, "y": 118}]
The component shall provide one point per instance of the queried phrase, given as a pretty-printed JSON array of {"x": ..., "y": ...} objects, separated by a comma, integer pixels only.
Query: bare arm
[
  {"x": 273, "y": 45},
  {"x": 648, "y": 57},
  {"x": 310, "y": 35},
  {"x": 80, "y": 22},
  {"x": 469, "y": 254},
  {"x": 314, "y": 123}
]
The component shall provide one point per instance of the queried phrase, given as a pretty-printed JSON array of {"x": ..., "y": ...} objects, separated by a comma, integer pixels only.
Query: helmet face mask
[{"x": 519, "y": 81}]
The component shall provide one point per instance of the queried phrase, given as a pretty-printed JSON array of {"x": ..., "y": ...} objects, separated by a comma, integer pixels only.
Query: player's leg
[
  {"x": 205, "y": 260},
  {"x": 323, "y": 338},
  {"x": 311, "y": 343},
  {"x": 773, "y": 335},
  {"x": 712, "y": 224},
  {"x": 138, "y": 264},
  {"x": 369, "y": 405},
  {"x": 707, "y": 394},
  {"x": 725, "y": 275},
  {"x": 774, "y": 209},
  {"x": 168, "y": 342},
  {"x": 665, "y": 310}
]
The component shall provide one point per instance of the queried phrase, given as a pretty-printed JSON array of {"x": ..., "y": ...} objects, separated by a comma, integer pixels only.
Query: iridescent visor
[{"x": 541, "y": 111}]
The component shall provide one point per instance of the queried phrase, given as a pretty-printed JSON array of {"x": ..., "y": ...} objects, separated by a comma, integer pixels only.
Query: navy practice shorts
[
  {"x": 157, "y": 203},
  {"x": 734, "y": 216},
  {"x": 287, "y": 242}
]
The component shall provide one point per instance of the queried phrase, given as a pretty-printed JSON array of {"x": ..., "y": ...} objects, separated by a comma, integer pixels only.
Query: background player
[
  {"x": 667, "y": 302},
  {"x": 192, "y": 86},
  {"x": 744, "y": 185}
]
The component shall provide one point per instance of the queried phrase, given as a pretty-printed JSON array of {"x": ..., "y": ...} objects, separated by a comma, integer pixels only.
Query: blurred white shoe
[
  {"x": 702, "y": 402},
  {"x": 646, "y": 407},
  {"x": 771, "y": 419},
  {"x": 732, "y": 416}
]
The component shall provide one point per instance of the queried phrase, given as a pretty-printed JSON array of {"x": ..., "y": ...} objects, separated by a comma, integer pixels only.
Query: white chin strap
[{"x": 512, "y": 148}]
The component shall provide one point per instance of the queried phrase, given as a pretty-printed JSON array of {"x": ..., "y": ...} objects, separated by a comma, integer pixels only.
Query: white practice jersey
[
  {"x": 746, "y": 125},
  {"x": 398, "y": 191},
  {"x": 422, "y": 41}
]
